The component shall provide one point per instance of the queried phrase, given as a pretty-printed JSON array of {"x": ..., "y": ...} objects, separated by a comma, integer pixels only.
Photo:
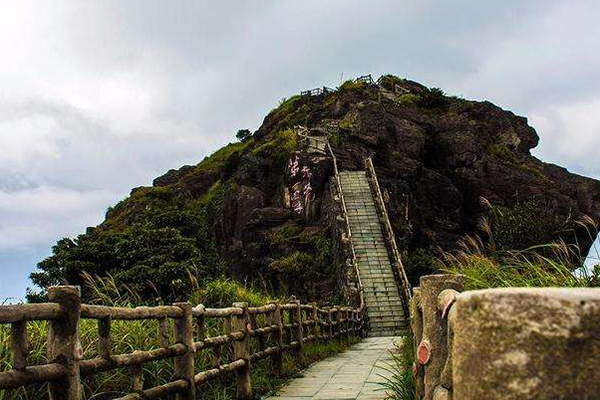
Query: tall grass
[
  {"x": 400, "y": 384},
  {"x": 485, "y": 266},
  {"x": 129, "y": 336},
  {"x": 549, "y": 265}
]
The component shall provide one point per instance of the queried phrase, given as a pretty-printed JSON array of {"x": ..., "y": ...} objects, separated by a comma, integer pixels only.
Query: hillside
[{"x": 238, "y": 212}]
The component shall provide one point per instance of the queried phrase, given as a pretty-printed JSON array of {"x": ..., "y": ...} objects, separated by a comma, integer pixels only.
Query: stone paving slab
[{"x": 352, "y": 375}]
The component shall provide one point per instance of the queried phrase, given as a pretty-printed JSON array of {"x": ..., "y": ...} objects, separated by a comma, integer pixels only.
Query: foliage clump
[
  {"x": 501, "y": 258},
  {"x": 408, "y": 99},
  {"x": 280, "y": 147},
  {"x": 433, "y": 98},
  {"x": 351, "y": 86},
  {"x": 223, "y": 292},
  {"x": 157, "y": 251},
  {"x": 503, "y": 152},
  {"x": 400, "y": 381},
  {"x": 390, "y": 81},
  {"x": 302, "y": 259},
  {"x": 243, "y": 134},
  {"x": 525, "y": 224}
]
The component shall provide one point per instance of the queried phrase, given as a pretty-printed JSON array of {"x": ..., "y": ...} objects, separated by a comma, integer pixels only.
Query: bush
[
  {"x": 433, "y": 98},
  {"x": 243, "y": 135},
  {"x": 281, "y": 146},
  {"x": 525, "y": 224},
  {"x": 163, "y": 244},
  {"x": 390, "y": 81},
  {"x": 223, "y": 292},
  {"x": 409, "y": 99}
]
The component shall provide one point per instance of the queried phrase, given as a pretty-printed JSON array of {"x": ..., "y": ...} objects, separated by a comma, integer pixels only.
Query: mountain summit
[{"x": 263, "y": 210}]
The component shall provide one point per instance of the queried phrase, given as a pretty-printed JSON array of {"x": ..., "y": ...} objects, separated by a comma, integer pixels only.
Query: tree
[{"x": 243, "y": 135}]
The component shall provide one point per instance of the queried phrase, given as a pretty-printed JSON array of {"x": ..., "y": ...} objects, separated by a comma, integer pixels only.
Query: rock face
[
  {"x": 436, "y": 158},
  {"x": 268, "y": 209}
]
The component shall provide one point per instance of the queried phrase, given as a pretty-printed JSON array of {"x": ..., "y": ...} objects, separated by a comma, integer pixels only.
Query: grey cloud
[{"x": 99, "y": 97}]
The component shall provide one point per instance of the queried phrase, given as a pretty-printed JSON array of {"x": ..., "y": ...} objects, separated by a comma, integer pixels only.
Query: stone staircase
[{"x": 381, "y": 294}]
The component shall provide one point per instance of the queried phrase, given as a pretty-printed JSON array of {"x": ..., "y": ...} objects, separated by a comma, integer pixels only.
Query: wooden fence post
[
  {"x": 339, "y": 323},
  {"x": 184, "y": 364},
  {"x": 330, "y": 322},
  {"x": 200, "y": 323},
  {"x": 63, "y": 342},
  {"x": 241, "y": 350},
  {"x": 277, "y": 359},
  {"x": 314, "y": 315},
  {"x": 347, "y": 324},
  {"x": 19, "y": 347},
  {"x": 298, "y": 331}
]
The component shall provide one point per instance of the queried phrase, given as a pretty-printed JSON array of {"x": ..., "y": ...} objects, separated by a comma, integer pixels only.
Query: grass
[
  {"x": 129, "y": 336},
  {"x": 401, "y": 384},
  {"x": 548, "y": 265},
  {"x": 280, "y": 147}
]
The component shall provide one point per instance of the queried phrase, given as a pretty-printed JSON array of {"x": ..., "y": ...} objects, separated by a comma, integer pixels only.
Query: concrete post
[
  {"x": 525, "y": 344},
  {"x": 432, "y": 350},
  {"x": 184, "y": 364},
  {"x": 277, "y": 359},
  {"x": 241, "y": 350},
  {"x": 63, "y": 342},
  {"x": 416, "y": 324},
  {"x": 298, "y": 334}
]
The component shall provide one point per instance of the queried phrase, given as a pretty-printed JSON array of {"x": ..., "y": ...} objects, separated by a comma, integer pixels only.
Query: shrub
[
  {"x": 243, "y": 134},
  {"x": 281, "y": 146},
  {"x": 433, "y": 98},
  {"x": 350, "y": 86},
  {"x": 408, "y": 99},
  {"x": 390, "y": 81},
  {"x": 223, "y": 292},
  {"x": 549, "y": 265},
  {"x": 525, "y": 224}
]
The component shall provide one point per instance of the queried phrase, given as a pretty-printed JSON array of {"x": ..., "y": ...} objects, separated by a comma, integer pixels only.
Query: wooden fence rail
[{"x": 287, "y": 326}]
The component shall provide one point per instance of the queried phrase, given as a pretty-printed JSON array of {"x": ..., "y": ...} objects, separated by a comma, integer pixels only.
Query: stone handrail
[
  {"x": 510, "y": 343},
  {"x": 67, "y": 365},
  {"x": 388, "y": 233}
]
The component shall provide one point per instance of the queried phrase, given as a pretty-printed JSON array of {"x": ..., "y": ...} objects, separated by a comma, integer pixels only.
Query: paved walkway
[{"x": 352, "y": 374}]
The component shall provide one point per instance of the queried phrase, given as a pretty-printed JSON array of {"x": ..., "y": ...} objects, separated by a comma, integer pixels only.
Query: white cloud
[
  {"x": 570, "y": 133},
  {"x": 98, "y": 97},
  {"x": 34, "y": 217}
]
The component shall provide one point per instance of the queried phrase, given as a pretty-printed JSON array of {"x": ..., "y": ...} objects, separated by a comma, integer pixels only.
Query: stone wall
[{"x": 515, "y": 343}]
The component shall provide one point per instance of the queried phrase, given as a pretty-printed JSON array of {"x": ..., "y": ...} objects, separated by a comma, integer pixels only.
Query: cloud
[
  {"x": 99, "y": 97},
  {"x": 39, "y": 216},
  {"x": 571, "y": 133}
]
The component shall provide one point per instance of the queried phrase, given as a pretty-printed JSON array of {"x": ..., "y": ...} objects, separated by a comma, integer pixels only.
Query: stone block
[{"x": 521, "y": 344}]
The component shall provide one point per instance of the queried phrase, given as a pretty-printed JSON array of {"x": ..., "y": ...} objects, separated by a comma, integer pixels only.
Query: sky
[{"x": 98, "y": 97}]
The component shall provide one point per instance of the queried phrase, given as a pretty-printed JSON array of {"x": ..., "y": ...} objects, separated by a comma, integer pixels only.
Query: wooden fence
[{"x": 289, "y": 326}]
